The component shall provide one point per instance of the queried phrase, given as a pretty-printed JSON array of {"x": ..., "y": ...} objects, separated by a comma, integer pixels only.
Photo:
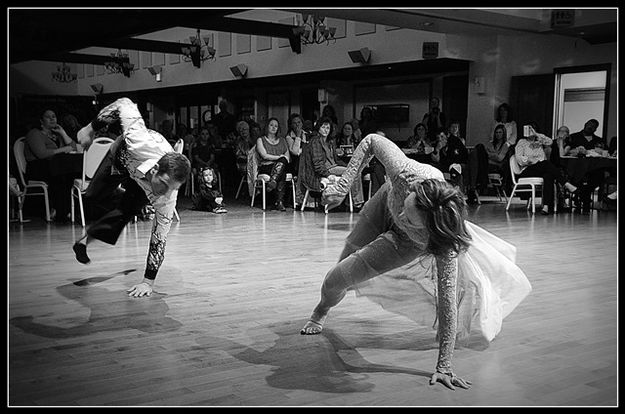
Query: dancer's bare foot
[{"x": 314, "y": 326}]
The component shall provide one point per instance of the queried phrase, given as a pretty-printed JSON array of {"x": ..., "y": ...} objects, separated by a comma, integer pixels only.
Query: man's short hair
[{"x": 176, "y": 165}]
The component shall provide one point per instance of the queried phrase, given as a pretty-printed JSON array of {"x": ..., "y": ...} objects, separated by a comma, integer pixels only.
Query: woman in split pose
[{"x": 463, "y": 277}]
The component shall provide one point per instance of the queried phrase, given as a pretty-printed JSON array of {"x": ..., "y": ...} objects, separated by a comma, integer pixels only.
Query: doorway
[{"x": 581, "y": 93}]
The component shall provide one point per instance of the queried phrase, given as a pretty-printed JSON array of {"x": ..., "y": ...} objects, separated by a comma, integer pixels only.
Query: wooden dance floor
[{"x": 222, "y": 328}]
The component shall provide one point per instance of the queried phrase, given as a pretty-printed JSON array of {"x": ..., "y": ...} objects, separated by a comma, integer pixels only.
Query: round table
[{"x": 578, "y": 167}]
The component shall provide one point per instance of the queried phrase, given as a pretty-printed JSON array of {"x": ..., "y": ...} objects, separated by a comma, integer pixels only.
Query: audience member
[
  {"x": 367, "y": 123},
  {"x": 586, "y": 140},
  {"x": 71, "y": 126},
  {"x": 419, "y": 140},
  {"x": 167, "y": 131},
  {"x": 529, "y": 153},
  {"x": 296, "y": 139},
  {"x": 274, "y": 159},
  {"x": 561, "y": 145},
  {"x": 346, "y": 136},
  {"x": 243, "y": 144},
  {"x": 454, "y": 129},
  {"x": 434, "y": 119},
  {"x": 208, "y": 197},
  {"x": 320, "y": 161},
  {"x": 612, "y": 148},
  {"x": 330, "y": 112},
  {"x": 504, "y": 116},
  {"x": 225, "y": 122},
  {"x": 40, "y": 146},
  {"x": 204, "y": 152},
  {"x": 451, "y": 156},
  {"x": 486, "y": 159}
]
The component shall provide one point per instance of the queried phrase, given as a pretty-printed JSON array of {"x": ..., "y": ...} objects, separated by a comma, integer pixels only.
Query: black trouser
[
  {"x": 550, "y": 174},
  {"x": 121, "y": 204}
]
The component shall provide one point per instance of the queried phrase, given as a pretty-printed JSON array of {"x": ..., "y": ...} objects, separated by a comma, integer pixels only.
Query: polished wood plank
[{"x": 222, "y": 328}]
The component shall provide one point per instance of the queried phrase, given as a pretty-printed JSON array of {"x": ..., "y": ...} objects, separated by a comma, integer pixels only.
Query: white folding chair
[
  {"x": 92, "y": 158},
  {"x": 20, "y": 159},
  {"x": 349, "y": 195},
  {"x": 495, "y": 180},
  {"x": 525, "y": 185},
  {"x": 261, "y": 183}
]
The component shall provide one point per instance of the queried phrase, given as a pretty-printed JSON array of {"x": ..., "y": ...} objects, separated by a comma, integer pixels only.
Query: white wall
[{"x": 494, "y": 58}]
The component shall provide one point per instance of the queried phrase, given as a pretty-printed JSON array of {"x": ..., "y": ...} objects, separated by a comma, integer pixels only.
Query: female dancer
[{"x": 466, "y": 275}]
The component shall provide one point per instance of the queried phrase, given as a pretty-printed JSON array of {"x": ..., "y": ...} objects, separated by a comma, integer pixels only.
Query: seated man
[{"x": 581, "y": 142}]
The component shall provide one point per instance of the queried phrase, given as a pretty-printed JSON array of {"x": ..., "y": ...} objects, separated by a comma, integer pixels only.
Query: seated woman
[
  {"x": 296, "y": 139},
  {"x": 450, "y": 156},
  {"x": 41, "y": 145},
  {"x": 419, "y": 140},
  {"x": 243, "y": 143},
  {"x": 346, "y": 136},
  {"x": 274, "y": 155},
  {"x": 320, "y": 162},
  {"x": 487, "y": 159},
  {"x": 529, "y": 153}
]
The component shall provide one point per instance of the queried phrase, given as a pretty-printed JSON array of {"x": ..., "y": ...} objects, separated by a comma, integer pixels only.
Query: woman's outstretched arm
[{"x": 447, "y": 311}]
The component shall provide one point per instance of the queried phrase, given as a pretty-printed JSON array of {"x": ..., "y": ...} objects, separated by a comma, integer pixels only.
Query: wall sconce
[
  {"x": 198, "y": 52},
  {"x": 322, "y": 95},
  {"x": 479, "y": 85},
  {"x": 239, "y": 71},
  {"x": 97, "y": 88},
  {"x": 360, "y": 56},
  {"x": 156, "y": 71},
  {"x": 63, "y": 74}
]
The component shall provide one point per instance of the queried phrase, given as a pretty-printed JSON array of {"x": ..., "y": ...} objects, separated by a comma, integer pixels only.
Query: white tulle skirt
[{"x": 490, "y": 285}]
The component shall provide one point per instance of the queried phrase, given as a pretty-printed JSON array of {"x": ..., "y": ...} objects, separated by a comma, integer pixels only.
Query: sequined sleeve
[
  {"x": 164, "y": 210},
  {"x": 447, "y": 273},
  {"x": 385, "y": 150}
]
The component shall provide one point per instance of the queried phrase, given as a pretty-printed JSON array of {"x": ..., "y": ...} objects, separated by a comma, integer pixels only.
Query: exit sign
[
  {"x": 430, "y": 50},
  {"x": 562, "y": 18}
]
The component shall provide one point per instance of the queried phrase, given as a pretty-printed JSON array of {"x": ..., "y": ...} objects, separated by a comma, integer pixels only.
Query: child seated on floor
[{"x": 208, "y": 198}]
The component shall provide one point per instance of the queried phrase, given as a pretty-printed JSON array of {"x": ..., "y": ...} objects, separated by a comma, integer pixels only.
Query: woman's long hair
[
  {"x": 498, "y": 143},
  {"x": 444, "y": 211}
]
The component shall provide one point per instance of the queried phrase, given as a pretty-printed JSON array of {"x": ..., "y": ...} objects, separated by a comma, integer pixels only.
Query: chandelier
[
  {"x": 199, "y": 50},
  {"x": 313, "y": 30},
  {"x": 63, "y": 74},
  {"x": 120, "y": 64}
]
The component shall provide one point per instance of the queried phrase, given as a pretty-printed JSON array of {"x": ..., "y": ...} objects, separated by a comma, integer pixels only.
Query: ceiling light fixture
[
  {"x": 313, "y": 30},
  {"x": 198, "y": 52},
  {"x": 120, "y": 63},
  {"x": 64, "y": 74}
]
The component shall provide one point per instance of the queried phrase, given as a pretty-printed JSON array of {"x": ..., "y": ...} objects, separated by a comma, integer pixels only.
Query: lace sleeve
[
  {"x": 373, "y": 145},
  {"x": 447, "y": 269},
  {"x": 164, "y": 210}
]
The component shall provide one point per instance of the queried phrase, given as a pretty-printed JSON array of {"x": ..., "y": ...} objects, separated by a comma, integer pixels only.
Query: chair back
[
  {"x": 515, "y": 169},
  {"x": 20, "y": 159},
  {"x": 179, "y": 146},
  {"x": 94, "y": 155},
  {"x": 252, "y": 169}
]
